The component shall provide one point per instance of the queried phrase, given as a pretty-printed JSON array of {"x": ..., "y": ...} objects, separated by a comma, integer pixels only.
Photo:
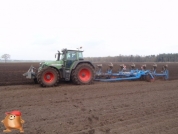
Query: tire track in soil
[
  {"x": 136, "y": 125},
  {"x": 115, "y": 116},
  {"x": 134, "y": 108}
]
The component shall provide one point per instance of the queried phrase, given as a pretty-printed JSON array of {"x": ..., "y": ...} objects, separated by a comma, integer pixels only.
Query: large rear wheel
[
  {"x": 83, "y": 74},
  {"x": 48, "y": 77}
]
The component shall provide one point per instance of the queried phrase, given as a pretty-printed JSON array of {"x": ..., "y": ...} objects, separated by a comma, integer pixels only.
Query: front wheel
[
  {"x": 48, "y": 77},
  {"x": 83, "y": 74}
]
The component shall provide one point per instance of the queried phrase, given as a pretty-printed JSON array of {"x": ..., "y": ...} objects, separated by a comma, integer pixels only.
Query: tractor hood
[{"x": 55, "y": 64}]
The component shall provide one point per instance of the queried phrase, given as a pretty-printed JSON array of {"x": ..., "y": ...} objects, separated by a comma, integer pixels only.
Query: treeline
[{"x": 136, "y": 58}]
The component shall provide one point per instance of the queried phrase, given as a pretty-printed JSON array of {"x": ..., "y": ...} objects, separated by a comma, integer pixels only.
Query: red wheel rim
[
  {"x": 48, "y": 77},
  {"x": 85, "y": 75}
]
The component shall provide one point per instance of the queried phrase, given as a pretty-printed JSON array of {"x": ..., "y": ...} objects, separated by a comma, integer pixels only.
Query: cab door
[{"x": 71, "y": 57}]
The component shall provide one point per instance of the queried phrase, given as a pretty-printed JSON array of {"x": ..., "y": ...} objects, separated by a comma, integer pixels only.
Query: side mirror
[{"x": 55, "y": 55}]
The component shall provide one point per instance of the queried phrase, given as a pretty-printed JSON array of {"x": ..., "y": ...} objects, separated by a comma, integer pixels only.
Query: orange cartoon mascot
[{"x": 13, "y": 120}]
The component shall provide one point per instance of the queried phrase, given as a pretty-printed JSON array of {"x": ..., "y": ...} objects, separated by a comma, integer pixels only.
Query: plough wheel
[
  {"x": 48, "y": 77},
  {"x": 148, "y": 78},
  {"x": 142, "y": 78},
  {"x": 83, "y": 74}
]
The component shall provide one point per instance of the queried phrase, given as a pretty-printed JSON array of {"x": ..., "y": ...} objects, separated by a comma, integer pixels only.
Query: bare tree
[{"x": 6, "y": 57}]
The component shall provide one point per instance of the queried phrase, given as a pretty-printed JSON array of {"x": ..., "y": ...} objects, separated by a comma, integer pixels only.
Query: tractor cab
[{"x": 70, "y": 56}]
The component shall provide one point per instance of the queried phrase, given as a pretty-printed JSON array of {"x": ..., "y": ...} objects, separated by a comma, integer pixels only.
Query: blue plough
[{"x": 133, "y": 74}]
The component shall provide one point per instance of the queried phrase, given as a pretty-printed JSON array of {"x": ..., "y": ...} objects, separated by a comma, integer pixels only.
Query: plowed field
[
  {"x": 11, "y": 73},
  {"x": 134, "y": 107}
]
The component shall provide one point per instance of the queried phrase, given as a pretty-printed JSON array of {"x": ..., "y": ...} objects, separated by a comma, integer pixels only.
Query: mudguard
[{"x": 82, "y": 61}]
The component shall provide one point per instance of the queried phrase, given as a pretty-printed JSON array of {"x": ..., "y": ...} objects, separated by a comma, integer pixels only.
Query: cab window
[
  {"x": 71, "y": 55},
  {"x": 80, "y": 55}
]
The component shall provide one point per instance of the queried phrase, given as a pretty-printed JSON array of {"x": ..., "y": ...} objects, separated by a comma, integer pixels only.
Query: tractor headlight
[
  {"x": 40, "y": 64},
  {"x": 44, "y": 65},
  {"x": 39, "y": 69}
]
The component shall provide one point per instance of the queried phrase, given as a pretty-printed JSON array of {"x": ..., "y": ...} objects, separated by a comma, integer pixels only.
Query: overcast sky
[{"x": 36, "y": 29}]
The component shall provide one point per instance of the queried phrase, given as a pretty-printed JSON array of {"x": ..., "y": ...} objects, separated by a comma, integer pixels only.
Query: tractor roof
[{"x": 65, "y": 49}]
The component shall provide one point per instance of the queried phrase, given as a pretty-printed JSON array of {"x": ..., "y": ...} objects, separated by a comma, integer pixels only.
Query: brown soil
[
  {"x": 11, "y": 73},
  {"x": 135, "y": 107}
]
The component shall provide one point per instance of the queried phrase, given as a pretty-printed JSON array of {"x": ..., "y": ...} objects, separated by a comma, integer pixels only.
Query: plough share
[{"x": 132, "y": 74}]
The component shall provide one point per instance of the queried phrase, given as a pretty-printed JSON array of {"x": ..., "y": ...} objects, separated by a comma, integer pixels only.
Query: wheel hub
[
  {"x": 83, "y": 74},
  {"x": 48, "y": 77}
]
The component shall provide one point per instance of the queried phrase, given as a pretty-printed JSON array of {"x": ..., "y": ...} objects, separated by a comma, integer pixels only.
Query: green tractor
[{"x": 69, "y": 66}]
